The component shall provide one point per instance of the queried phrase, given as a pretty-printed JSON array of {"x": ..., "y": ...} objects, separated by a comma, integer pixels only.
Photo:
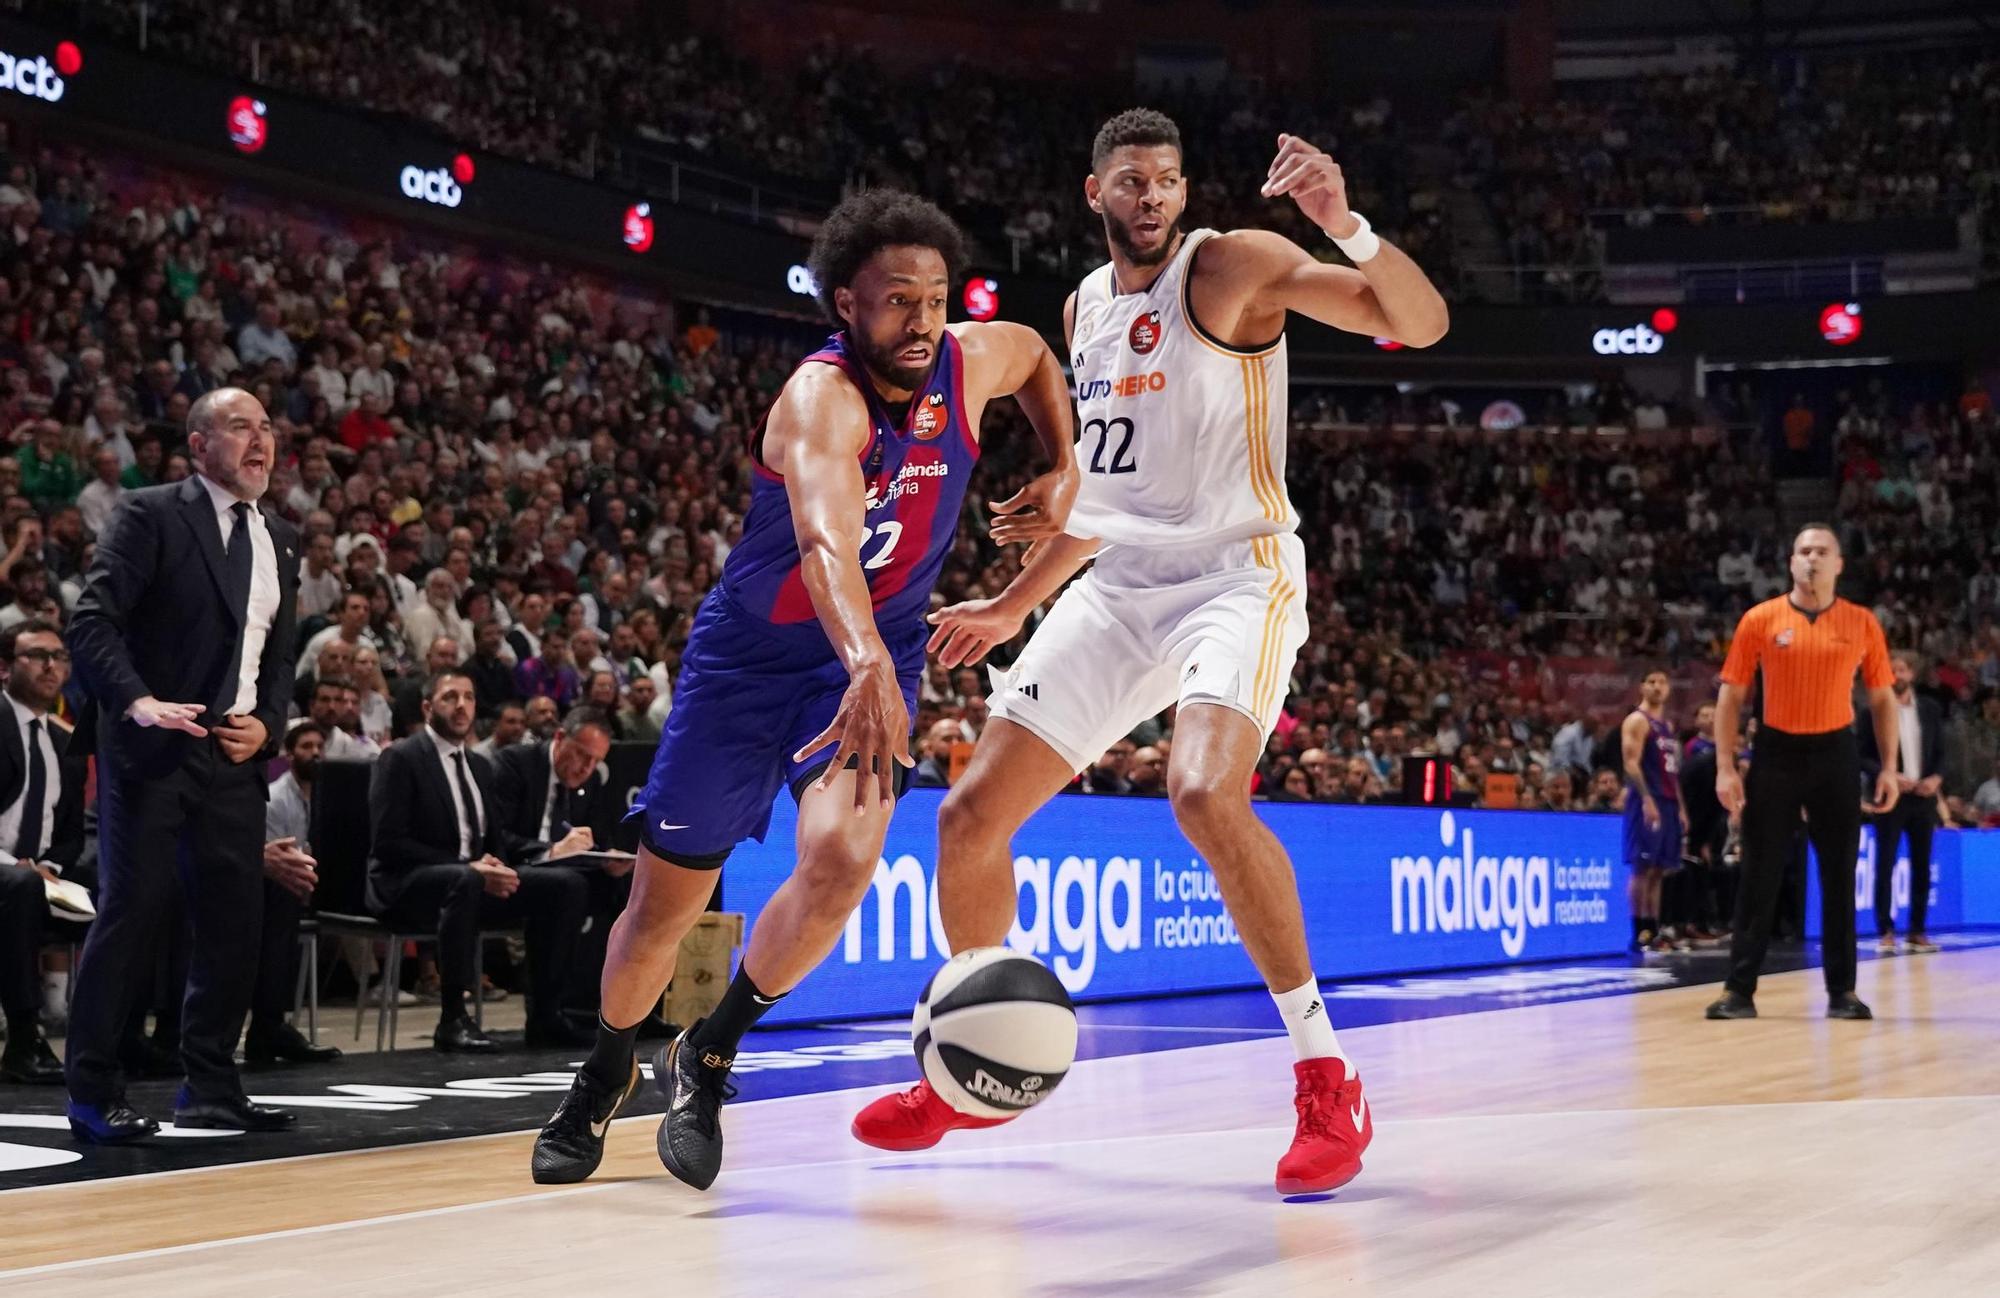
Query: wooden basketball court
[{"x": 1615, "y": 1145}]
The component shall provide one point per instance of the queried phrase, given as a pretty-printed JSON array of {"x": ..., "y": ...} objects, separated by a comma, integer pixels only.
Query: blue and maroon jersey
[
  {"x": 916, "y": 468},
  {"x": 1660, "y": 760}
]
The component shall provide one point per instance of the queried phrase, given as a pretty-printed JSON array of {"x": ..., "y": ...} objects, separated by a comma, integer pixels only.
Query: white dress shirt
[
  {"x": 467, "y": 849},
  {"x": 263, "y": 608},
  {"x": 1910, "y": 738},
  {"x": 10, "y": 819}
]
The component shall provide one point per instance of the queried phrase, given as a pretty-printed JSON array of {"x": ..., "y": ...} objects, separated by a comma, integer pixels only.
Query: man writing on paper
[{"x": 553, "y": 800}]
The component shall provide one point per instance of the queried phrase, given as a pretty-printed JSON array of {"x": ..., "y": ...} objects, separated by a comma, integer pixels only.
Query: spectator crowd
[{"x": 1778, "y": 138}]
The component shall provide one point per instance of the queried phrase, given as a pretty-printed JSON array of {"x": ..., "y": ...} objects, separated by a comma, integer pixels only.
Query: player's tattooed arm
[
  {"x": 1005, "y": 359},
  {"x": 817, "y": 430}
]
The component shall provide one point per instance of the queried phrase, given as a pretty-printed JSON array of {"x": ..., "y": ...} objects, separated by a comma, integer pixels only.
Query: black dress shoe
[
  {"x": 1733, "y": 1005},
  {"x": 30, "y": 1063},
  {"x": 1847, "y": 1006},
  {"x": 285, "y": 1044},
  {"x": 558, "y": 1034},
  {"x": 460, "y": 1036},
  {"x": 115, "y": 1123},
  {"x": 235, "y": 1113},
  {"x": 572, "y": 1144}
]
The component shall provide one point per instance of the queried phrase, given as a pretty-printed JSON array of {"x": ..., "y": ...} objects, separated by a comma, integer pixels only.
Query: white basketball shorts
[{"x": 1147, "y": 626}]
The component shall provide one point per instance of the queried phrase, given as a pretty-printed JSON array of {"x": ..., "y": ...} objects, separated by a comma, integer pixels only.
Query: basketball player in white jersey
[{"x": 1198, "y": 591}]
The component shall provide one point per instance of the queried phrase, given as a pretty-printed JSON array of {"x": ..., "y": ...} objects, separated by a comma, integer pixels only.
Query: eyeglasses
[{"x": 44, "y": 656}]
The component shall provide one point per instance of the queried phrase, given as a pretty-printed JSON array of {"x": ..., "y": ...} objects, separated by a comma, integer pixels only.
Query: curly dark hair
[
  {"x": 1142, "y": 126},
  {"x": 864, "y": 224}
]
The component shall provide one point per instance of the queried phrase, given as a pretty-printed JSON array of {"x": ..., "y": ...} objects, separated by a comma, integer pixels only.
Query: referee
[{"x": 1808, "y": 645}]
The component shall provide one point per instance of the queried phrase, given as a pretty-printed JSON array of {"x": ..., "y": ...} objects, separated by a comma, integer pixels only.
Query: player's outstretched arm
[
  {"x": 1004, "y": 359},
  {"x": 965, "y": 632},
  {"x": 1389, "y": 296},
  {"x": 815, "y": 436}
]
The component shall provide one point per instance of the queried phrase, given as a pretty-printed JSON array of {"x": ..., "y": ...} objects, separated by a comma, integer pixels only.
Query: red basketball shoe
[
  {"x": 913, "y": 1119},
  {"x": 1334, "y": 1127}
]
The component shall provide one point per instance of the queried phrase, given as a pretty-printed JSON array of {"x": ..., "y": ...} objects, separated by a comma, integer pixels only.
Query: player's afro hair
[
  {"x": 1141, "y": 126},
  {"x": 864, "y": 224}
]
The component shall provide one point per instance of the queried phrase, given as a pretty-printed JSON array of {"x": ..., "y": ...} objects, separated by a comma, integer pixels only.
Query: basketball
[{"x": 994, "y": 1032}]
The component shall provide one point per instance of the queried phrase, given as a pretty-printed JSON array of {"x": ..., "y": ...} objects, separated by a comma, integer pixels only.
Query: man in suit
[
  {"x": 183, "y": 637},
  {"x": 41, "y": 833},
  {"x": 1921, "y": 753},
  {"x": 555, "y": 799},
  {"x": 435, "y": 863}
]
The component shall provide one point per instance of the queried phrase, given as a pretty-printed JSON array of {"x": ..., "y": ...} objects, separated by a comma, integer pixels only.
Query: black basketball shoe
[
  {"x": 572, "y": 1144},
  {"x": 695, "y": 1084}
]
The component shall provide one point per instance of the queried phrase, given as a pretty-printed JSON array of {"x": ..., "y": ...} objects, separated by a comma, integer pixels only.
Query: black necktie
[
  {"x": 28, "y": 846},
  {"x": 471, "y": 803},
  {"x": 556, "y": 810},
  {"x": 237, "y": 561}
]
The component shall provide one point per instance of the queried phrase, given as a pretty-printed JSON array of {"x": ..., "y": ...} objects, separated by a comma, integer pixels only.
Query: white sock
[
  {"x": 1304, "y": 1013},
  {"x": 55, "y": 992}
]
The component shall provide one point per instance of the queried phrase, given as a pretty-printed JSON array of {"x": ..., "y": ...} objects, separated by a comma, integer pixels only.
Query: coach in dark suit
[
  {"x": 1921, "y": 728},
  {"x": 435, "y": 863},
  {"x": 555, "y": 798},
  {"x": 41, "y": 833},
  {"x": 183, "y": 637}
]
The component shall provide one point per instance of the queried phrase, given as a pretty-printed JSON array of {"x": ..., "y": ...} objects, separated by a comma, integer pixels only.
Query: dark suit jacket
[
  {"x": 1930, "y": 720},
  {"x": 412, "y": 819},
  {"x": 153, "y": 619},
  {"x": 72, "y": 763},
  {"x": 522, "y": 782}
]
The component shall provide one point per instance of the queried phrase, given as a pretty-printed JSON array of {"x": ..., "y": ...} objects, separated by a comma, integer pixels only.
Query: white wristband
[{"x": 1363, "y": 244}]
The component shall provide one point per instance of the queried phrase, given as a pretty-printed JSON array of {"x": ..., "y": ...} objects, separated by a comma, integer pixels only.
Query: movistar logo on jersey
[
  {"x": 1132, "y": 385},
  {"x": 1507, "y": 891}
]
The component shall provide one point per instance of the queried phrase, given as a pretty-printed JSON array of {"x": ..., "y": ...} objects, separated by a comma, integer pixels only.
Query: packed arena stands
[
  {"x": 533, "y": 432},
  {"x": 1841, "y": 136}
]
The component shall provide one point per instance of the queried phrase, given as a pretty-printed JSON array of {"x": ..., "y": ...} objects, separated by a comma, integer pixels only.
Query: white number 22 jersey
[{"x": 1180, "y": 438}]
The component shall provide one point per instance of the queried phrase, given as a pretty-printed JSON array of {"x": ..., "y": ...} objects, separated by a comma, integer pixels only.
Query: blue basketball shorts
[
  {"x": 749, "y": 696},
  {"x": 1652, "y": 849}
]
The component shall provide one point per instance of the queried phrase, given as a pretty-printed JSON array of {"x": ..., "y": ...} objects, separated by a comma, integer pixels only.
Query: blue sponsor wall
[
  {"x": 1115, "y": 901},
  {"x": 1965, "y": 883}
]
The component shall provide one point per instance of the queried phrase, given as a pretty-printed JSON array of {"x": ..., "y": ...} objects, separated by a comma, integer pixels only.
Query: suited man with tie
[
  {"x": 41, "y": 832},
  {"x": 435, "y": 863},
  {"x": 183, "y": 638},
  {"x": 1920, "y": 726},
  {"x": 555, "y": 799}
]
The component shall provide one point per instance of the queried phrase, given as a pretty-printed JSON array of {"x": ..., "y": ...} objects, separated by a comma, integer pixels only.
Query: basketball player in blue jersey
[
  {"x": 1654, "y": 820},
  {"x": 812, "y": 641},
  {"x": 1197, "y": 593}
]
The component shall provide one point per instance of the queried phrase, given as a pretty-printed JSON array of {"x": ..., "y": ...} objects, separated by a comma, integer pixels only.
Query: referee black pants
[{"x": 1819, "y": 776}]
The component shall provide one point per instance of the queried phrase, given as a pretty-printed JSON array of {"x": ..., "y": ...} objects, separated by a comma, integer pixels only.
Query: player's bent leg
[
  {"x": 1013, "y": 773},
  {"x": 1208, "y": 784},
  {"x": 837, "y": 854},
  {"x": 667, "y": 898}
]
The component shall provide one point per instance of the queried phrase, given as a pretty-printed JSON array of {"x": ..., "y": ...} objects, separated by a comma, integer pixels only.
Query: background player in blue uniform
[
  {"x": 1654, "y": 820},
  {"x": 813, "y": 640}
]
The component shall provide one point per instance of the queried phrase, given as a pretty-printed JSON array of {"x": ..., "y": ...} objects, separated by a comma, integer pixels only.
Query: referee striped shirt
[{"x": 1808, "y": 661}]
